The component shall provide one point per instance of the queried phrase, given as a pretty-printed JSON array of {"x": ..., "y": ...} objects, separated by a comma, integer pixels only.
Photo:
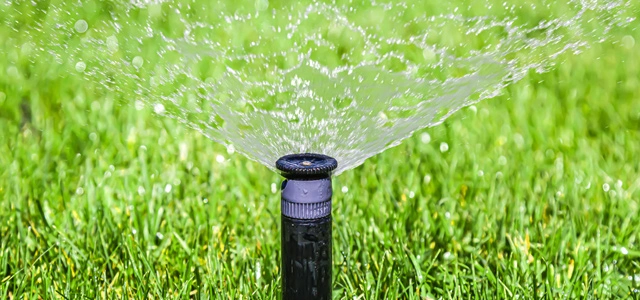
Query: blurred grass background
[{"x": 531, "y": 195}]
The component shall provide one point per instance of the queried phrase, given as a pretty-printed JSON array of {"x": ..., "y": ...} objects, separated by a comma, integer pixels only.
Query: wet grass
[{"x": 532, "y": 195}]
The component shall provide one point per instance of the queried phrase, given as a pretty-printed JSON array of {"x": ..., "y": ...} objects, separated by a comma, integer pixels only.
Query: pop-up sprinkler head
[
  {"x": 306, "y": 225},
  {"x": 306, "y": 194}
]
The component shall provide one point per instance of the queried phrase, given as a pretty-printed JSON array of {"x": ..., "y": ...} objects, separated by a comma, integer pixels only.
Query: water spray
[{"x": 306, "y": 225}]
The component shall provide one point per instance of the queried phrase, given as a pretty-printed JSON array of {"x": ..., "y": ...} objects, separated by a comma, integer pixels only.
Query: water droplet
[
  {"x": 205, "y": 200},
  {"x": 112, "y": 43},
  {"x": 93, "y": 136},
  {"x": 606, "y": 187},
  {"x": 427, "y": 179},
  {"x": 159, "y": 236},
  {"x": 480, "y": 173},
  {"x": 158, "y": 108},
  {"x": 429, "y": 55},
  {"x": 473, "y": 109},
  {"x": 137, "y": 62},
  {"x": 79, "y": 191},
  {"x": 444, "y": 147},
  {"x": 26, "y": 49},
  {"x": 167, "y": 188},
  {"x": 345, "y": 189},
  {"x": 624, "y": 251},
  {"x": 139, "y": 105},
  {"x": 447, "y": 255},
  {"x": 502, "y": 160},
  {"x": 518, "y": 139},
  {"x": 81, "y": 26},
  {"x": 13, "y": 71},
  {"x": 262, "y": 5},
  {"x": 81, "y": 66},
  {"x": 619, "y": 184},
  {"x": 141, "y": 190},
  {"x": 425, "y": 138},
  {"x": 133, "y": 231},
  {"x": 412, "y": 194},
  {"x": 447, "y": 215},
  {"x": 231, "y": 149},
  {"x": 107, "y": 174},
  {"x": 628, "y": 42},
  {"x": 220, "y": 158},
  {"x": 499, "y": 175},
  {"x": 274, "y": 188}
]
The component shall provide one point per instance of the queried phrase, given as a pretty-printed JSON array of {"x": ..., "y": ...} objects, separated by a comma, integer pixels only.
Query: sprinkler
[{"x": 306, "y": 225}]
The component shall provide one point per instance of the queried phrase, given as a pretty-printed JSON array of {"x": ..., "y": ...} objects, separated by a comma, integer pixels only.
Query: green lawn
[{"x": 534, "y": 194}]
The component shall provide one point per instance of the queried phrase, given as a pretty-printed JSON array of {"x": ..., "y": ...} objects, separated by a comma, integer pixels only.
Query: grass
[{"x": 532, "y": 195}]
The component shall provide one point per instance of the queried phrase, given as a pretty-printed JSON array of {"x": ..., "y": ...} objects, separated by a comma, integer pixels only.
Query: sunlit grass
[{"x": 531, "y": 195}]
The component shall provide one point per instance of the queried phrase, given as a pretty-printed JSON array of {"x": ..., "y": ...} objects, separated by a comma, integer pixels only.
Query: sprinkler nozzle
[
  {"x": 306, "y": 166},
  {"x": 306, "y": 194}
]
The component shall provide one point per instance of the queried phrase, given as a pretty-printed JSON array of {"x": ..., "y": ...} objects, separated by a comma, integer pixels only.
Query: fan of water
[{"x": 347, "y": 79}]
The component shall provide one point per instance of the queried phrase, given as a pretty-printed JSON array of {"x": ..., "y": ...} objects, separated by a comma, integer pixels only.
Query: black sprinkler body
[{"x": 306, "y": 225}]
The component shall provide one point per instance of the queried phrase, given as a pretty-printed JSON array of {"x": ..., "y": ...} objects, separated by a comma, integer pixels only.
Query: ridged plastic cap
[
  {"x": 305, "y": 165},
  {"x": 305, "y": 211},
  {"x": 306, "y": 194}
]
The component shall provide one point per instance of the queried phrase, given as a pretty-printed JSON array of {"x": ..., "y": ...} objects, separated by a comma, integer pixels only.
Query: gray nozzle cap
[
  {"x": 306, "y": 194},
  {"x": 306, "y": 199}
]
